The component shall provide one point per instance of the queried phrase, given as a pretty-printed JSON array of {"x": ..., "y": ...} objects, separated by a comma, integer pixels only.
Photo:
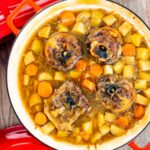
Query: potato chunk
[
  {"x": 79, "y": 28},
  {"x": 143, "y": 53},
  {"x": 140, "y": 84},
  {"x": 136, "y": 39},
  {"x": 108, "y": 69},
  {"x": 37, "y": 46},
  {"x": 47, "y": 128},
  {"x": 100, "y": 120},
  {"x": 118, "y": 67},
  {"x": 147, "y": 92},
  {"x": 26, "y": 79},
  {"x": 83, "y": 16},
  {"x": 88, "y": 127},
  {"x": 117, "y": 131},
  {"x": 34, "y": 100},
  {"x": 96, "y": 137},
  {"x": 43, "y": 76},
  {"x": 62, "y": 28},
  {"x": 142, "y": 100},
  {"x": 129, "y": 60},
  {"x": 144, "y": 75},
  {"x": 45, "y": 31},
  {"x": 128, "y": 71},
  {"x": 144, "y": 65},
  {"x": 110, "y": 117},
  {"x": 109, "y": 20},
  {"x": 125, "y": 28},
  {"x": 105, "y": 129},
  {"x": 59, "y": 76},
  {"x": 29, "y": 58},
  {"x": 74, "y": 74}
]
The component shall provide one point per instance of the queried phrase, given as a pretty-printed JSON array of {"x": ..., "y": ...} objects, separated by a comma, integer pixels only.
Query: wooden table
[{"x": 7, "y": 116}]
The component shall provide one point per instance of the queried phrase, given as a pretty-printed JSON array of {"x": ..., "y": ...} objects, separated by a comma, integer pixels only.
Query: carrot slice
[
  {"x": 96, "y": 70},
  {"x": 81, "y": 65},
  {"x": 129, "y": 50},
  {"x": 67, "y": 18},
  {"x": 40, "y": 118},
  {"x": 45, "y": 89},
  {"x": 31, "y": 70},
  {"x": 122, "y": 122},
  {"x": 88, "y": 85},
  {"x": 139, "y": 111}
]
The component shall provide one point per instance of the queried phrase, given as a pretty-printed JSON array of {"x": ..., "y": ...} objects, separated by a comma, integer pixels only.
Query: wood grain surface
[{"x": 8, "y": 117}]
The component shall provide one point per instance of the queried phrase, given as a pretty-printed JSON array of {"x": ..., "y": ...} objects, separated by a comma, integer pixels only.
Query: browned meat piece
[
  {"x": 105, "y": 45},
  {"x": 62, "y": 51},
  {"x": 116, "y": 93},
  {"x": 66, "y": 105}
]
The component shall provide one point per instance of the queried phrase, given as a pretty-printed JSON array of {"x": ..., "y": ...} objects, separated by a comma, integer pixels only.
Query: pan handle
[{"x": 15, "y": 12}]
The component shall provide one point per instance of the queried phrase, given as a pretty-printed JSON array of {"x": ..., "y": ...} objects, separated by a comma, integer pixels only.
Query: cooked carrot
[
  {"x": 96, "y": 70},
  {"x": 81, "y": 65},
  {"x": 45, "y": 89},
  {"x": 88, "y": 85},
  {"x": 85, "y": 136},
  {"x": 40, "y": 118},
  {"x": 128, "y": 50},
  {"x": 31, "y": 70},
  {"x": 139, "y": 111},
  {"x": 122, "y": 122},
  {"x": 67, "y": 18}
]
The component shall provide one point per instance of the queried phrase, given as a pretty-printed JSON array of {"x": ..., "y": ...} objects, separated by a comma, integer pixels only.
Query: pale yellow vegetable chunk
[
  {"x": 84, "y": 16},
  {"x": 110, "y": 117},
  {"x": 47, "y": 128},
  {"x": 91, "y": 62},
  {"x": 100, "y": 120},
  {"x": 45, "y": 76},
  {"x": 45, "y": 31},
  {"x": 118, "y": 67},
  {"x": 26, "y": 79},
  {"x": 62, "y": 133},
  {"x": 34, "y": 100},
  {"x": 105, "y": 129},
  {"x": 109, "y": 20},
  {"x": 128, "y": 71},
  {"x": 125, "y": 28},
  {"x": 62, "y": 28},
  {"x": 117, "y": 131},
  {"x": 88, "y": 127},
  {"x": 59, "y": 76},
  {"x": 108, "y": 69},
  {"x": 129, "y": 60},
  {"x": 96, "y": 137},
  {"x": 96, "y": 18},
  {"x": 143, "y": 53},
  {"x": 140, "y": 84},
  {"x": 79, "y": 28},
  {"x": 127, "y": 38},
  {"x": 140, "y": 99},
  {"x": 144, "y": 75},
  {"x": 136, "y": 39},
  {"x": 36, "y": 46},
  {"x": 144, "y": 65},
  {"x": 29, "y": 58},
  {"x": 147, "y": 92},
  {"x": 74, "y": 74}
]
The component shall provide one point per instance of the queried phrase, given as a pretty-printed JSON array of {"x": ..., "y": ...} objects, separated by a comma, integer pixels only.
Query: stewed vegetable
[{"x": 84, "y": 76}]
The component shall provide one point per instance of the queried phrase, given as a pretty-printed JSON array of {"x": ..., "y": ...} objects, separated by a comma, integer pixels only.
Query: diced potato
[
  {"x": 78, "y": 139},
  {"x": 91, "y": 62},
  {"x": 109, "y": 20},
  {"x": 83, "y": 17},
  {"x": 129, "y": 60},
  {"x": 128, "y": 71},
  {"x": 45, "y": 76},
  {"x": 79, "y": 28},
  {"x": 62, "y": 134},
  {"x": 26, "y": 79},
  {"x": 96, "y": 19},
  {"x": 140, "y": 99},
  {"x": 144, "y": 75},
  {"x": 88, "y": 127},
  {"x": 147, "y": 93},
  {"x": 38, "y": 108},
  {"x": 34, "y": 100},
  {"x": 47, "y": 128},
  {"x": 140, "y": 84},
  {"x": 62, "y": 28},
  {"x": 125, "y": 28},
  {"x": 74, "y": 74},
  {"x": 29, "y": 58},
  {"x": 143, "y": 53},
  {"x": 105, "y": 129},
  {"x": 96, "y": 137},
  {"x": 127, "y": 38},
  {"x": 136, "y": 39},
  {"x": 117, "y": 131},
  {"x": 100, "y": 119},
  {"x": 45, "y": 31},
  {"x": 109, "y": 117},
  {"x": 59, "y": 76},
  {"x": 118, "y": 67},
  {"x": 108, "y": 69},
  {"x": 144, "y": 65},
  {"x": 37, "y": 46}
]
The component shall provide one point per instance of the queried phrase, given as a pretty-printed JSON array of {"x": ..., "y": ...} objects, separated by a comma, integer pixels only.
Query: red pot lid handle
[{"x": 17, "y": 138}]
